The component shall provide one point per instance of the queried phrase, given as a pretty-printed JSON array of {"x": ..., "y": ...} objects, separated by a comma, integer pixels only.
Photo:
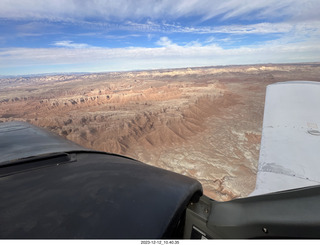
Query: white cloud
[
  {"x": 259, "y": 28},
  {"x": 169, "y": 55},
  {"x": 297, "y": 16},
  {"x": 165, "y": 9},
  {"x": 296, "y": 23},
  {"x": 70, "y": 44},
  {"x": 165, "y": 42}
]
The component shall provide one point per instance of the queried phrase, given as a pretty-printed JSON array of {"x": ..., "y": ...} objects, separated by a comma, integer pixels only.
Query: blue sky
[{"x": 47, "y": 36}]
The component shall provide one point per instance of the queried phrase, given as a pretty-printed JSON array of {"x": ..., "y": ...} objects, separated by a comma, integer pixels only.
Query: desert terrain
[{"x": 201, "y": 122}]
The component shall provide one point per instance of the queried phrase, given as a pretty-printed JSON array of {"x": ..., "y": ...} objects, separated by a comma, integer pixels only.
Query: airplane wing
[{"x": 290, "y": 145}]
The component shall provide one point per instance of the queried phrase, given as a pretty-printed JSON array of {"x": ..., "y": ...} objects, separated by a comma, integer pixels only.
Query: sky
[{"x": 62, "y": 36}]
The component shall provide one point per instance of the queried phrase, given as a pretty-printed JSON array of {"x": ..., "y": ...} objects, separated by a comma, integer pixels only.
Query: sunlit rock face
[{"x": 201, "y": 122}]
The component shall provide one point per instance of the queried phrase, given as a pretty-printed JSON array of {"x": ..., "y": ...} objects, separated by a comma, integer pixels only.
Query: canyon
[{"x": 202, "y": 122}]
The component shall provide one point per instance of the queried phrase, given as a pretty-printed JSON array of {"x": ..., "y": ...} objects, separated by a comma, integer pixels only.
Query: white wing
[{"x": 290, "y": 144}]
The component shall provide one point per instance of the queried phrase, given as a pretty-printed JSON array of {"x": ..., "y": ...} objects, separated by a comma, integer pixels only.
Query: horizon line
[{"x": 155, "y": 69}]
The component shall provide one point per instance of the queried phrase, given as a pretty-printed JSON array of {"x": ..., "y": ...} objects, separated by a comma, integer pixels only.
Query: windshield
[{"x": 165, "y": 82}]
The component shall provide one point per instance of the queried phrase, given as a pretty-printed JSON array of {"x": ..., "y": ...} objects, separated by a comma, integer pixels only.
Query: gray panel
[
  {"x": 288, "y": 214},
  {"x": 20, "y": 140},
  {"x": 52, "y": 188}
]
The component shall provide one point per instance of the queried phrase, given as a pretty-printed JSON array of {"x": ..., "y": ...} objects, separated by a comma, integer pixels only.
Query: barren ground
[{"x": 200, "y": 122}]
